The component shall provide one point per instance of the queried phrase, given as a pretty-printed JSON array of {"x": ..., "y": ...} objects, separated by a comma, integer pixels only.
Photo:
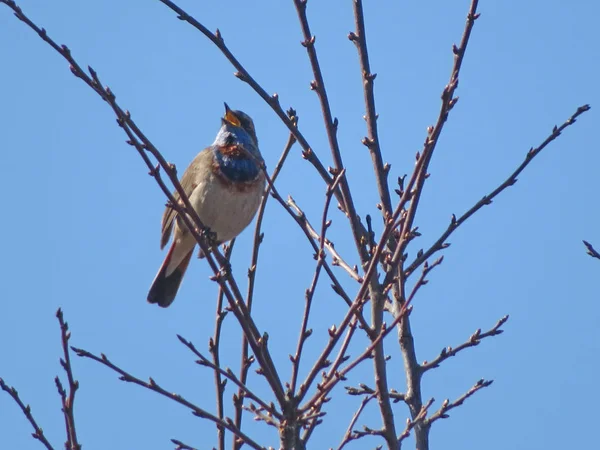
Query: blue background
[{"x": 81, "y": 216}]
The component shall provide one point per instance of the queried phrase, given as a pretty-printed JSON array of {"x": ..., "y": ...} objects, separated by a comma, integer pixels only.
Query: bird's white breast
[{"x": 225, "y": 209}]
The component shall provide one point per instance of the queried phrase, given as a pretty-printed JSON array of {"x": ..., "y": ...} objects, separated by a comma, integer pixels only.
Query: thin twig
[
  {"x": 310, "y": 292},
  {"x": 360, "y": 299},
  {"x": 359, "y": 37},
  {"x": 300, "y": 218},
  {"x": 441, "y": 243},
  {"x": 337, "y": 259},
  {"x": 228, "y": 374},
  {"x": 335, "y": 376},
  {"x": 448, "y": 102},
  {"x": 151, "y": 385},
  {"x": 418, "y": 419},
  {"x": 422, "y": 281},
  {"x": 316, "y": 406},
  {"x": 414, "y": 398},
  {"x": 38, "y": 433},
  {"x": 331, "y": 124},
  {"x": 246, "y": 362},
  {"x": 181, "y": 446},
  {"x": 67, "y": 398},
  {"x": 350, "y": 434},
  {"x": 473, "y": 341},
  {"x": 214, "y": 347},
  {"x": 442, "y": 413}
]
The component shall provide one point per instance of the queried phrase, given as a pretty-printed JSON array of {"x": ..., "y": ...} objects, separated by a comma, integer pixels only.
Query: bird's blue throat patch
[{"x": 236, "y": 165}]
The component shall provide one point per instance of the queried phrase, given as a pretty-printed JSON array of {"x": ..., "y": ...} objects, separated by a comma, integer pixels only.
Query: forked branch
[{"x": 455, "y": 222}]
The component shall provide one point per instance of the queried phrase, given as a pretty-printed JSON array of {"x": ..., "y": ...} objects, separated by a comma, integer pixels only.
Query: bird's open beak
[{"x": 231, "y": 117}]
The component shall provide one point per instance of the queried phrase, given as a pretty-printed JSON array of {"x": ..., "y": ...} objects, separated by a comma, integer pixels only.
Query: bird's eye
[{"x": 247, "y": 124}]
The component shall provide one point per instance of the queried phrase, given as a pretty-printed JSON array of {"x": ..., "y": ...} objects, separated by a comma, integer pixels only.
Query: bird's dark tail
[{"x": 165, "y": 287}]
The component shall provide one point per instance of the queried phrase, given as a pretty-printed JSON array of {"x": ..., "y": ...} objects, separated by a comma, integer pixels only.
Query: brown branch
[
  {"x": 473, "y": 341},
  {"x": 448, "y": 102},
  {"x": 214, "y": 348},
  {"x": 310, "y": 292},
  {"x": 337, "y": 259},
  {"x": 487, "y": 199},
  {"x": 359, "y": 37},
  {"x": 300, "y": 218},
  {"x": 341, "y": 358},
  {"x": 258, "y": 237},
  {"x": 388, "y": 431},
  {"x": 334, "y": 375},
  {"x": 228, "y": 374},
  {"x": 418, "y": 419},
  {"x": 351, "y": 434},
  {"x": 181, "y": 446},
  {"x": 591, "y": 250},
  {"x": 422, "y": 281},
  {"x": 407, "y": 233},
  {"x": 360, "y": 299},
  {"x": 358, "y": 231},
  {"x": 151, "y": 385},
  {"x": 331, "y": 124},
  {"x": 67, "y": 397},
  {"x": 38, "y": 433},
  {"x": 442, "y": 413}
]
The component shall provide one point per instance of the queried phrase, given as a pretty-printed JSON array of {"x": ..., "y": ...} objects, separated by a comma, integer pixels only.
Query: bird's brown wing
[{"x": 200, "y": 164}]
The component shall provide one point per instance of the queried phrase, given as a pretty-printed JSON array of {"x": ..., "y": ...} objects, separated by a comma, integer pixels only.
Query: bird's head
[{"x": 237, "y": 128}]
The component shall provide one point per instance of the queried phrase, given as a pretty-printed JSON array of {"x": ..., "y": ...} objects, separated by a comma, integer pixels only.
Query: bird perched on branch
[{"x": 224, "y": 184}]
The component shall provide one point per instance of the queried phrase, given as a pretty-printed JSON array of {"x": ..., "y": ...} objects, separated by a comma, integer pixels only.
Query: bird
[{"x": 225, "y": 184}]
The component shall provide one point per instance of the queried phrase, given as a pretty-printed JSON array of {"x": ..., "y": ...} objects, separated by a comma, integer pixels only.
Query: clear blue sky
[{"x": 81, "y": 217}]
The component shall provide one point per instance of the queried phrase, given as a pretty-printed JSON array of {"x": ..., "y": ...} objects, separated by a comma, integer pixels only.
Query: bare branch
[
  {"x": 414, "y": 398},
  {"x": 487, "y": 199},
  {"x": 227, "y": 373},
  {"x": 473, "y": 341},
  {"x": 417, "y": 420},
  {"x": 337, "y": 259},
  {"x": 38, "y": 433},
  {"x": 442, "y": 413},
  {"x": 448, "y": 102},
  {"x": 359, "y": 37},
  {"x": 316, "y": 403},
  {"x": 298, "y": 215},
  {"x": 67, "y": 398},
  {"x": 351, "y": 434},
  {"x": 320, "y": 257},
  {"x": 318, "y": 85},
  {"x": 151, "y": 385},
  {"x": 181, "y": 446},
  {"x": 246, "y": 362},
  {"x": 334, "y": 376},
  {"x": 422, "y": 281}
]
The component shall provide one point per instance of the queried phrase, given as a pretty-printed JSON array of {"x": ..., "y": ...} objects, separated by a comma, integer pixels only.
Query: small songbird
[{"x": 224, "y": 183}]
